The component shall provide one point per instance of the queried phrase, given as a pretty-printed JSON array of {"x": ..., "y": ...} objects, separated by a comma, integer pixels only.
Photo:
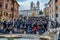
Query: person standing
[{"x": 56, "y": 23}]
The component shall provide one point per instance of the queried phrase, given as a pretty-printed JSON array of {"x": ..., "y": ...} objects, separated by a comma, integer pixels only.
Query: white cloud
[{"x": 24, "y": 5}]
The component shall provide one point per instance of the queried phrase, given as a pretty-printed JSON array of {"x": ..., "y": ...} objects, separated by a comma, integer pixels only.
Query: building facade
[
  {"x": 54, "y": 10},
  {"x": 8, "y": 9},
  {"x": 33, "y": 9},
  {"x": 16, "y": 9},
  {"x": 46, "y": 11},
  {"x": 51, "y": 10}
]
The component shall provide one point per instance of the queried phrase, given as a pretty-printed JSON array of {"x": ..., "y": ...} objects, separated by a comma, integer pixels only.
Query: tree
[{"x": 40, "y": 12}]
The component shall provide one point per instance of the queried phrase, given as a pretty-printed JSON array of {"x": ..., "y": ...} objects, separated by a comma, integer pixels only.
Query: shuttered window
[{"x": 0, "y": 5}]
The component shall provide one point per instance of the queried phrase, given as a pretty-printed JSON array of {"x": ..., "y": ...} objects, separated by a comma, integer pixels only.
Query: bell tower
[
  {"x": 38, "y": 4},
  {"x": 32, "y": 4}
]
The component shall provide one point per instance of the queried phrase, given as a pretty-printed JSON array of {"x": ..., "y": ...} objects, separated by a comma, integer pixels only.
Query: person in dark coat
[{"x": 4, "y": 24}]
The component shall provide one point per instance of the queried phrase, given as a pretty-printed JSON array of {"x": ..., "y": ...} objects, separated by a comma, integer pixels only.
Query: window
[
  {"x": 12, "y": 15},
  {"x": 56, "y": 15},
  {"x": 49, "y": 5},
  {"x": 6, "y": 6},
  {"x": 56, "y": 0},
  {"x": 56, "y": 7},
  {"x": 6, "y": 14},
  {"x": 12, "y": 9},
  {"x": 0, "y": 5}
]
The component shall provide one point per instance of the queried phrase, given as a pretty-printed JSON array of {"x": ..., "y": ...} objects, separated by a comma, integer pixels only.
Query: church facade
[{"x": 34, "y": 10}]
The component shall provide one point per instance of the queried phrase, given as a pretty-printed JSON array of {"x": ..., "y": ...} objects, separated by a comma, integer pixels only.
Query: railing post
[
  {"x": 37, "y": 33},
  {"x": 24, "y": 32},
  {"x": 10, "y": 33}
]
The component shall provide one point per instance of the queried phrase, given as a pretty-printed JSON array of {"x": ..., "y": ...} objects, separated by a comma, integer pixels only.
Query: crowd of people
[{"x": 30, "y": 25}]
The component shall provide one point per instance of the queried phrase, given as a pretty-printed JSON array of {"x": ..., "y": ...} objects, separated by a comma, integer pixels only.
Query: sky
[{"x": 25, "y": 4}]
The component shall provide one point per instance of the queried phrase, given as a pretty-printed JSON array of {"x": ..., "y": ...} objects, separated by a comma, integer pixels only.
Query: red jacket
[{"x": 34, "y": 29}]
